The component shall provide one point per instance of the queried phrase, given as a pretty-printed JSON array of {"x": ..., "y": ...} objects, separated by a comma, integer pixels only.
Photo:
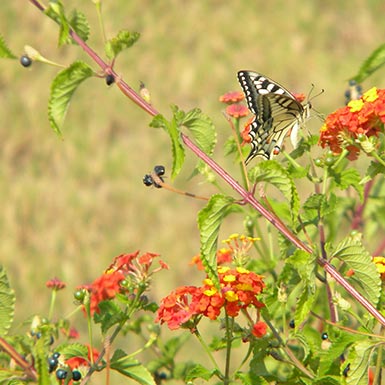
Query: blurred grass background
[{"x": 68, "y": 206}]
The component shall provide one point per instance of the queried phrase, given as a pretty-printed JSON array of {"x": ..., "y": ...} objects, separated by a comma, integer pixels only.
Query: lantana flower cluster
[
  {"x": 239, "y": 290},
  {"x": 362, "y": 117},
  {"x": 134, "y": 270}
]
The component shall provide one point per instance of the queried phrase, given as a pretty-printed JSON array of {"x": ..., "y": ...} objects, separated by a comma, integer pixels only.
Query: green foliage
[
  {"x": 131, "y": 368},
  {"x": 200, "y": 126},
  {"x": 7, "y": 303},
  {"x": 272, "y": 172},
  {"x": 209, "y": 221},
  {"x": 351, "y": 251},
  {"x": 77, "y": 21},
  {"x": 375, "y": 61},
  {"x": 5, "y": 52},
  {"x": 122, "y": 41},
  {"x": 62, "y": 89}
]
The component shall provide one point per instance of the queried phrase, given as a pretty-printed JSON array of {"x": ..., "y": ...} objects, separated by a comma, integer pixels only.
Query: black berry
[
  {"x": 158, "y": 185},
  {"x": 159, "y": 170},
  {"x": 324, "y": 336},
  {"x": 52, "y": 364},
  {"x": 61, "y": 374},
  {"x": 110, "y": 79},
  {"x": 76, "y": 375},
  {"x": 292, "y": 324},
  {"x": 56, "y": 355},
  {"x": 147, "y": 180},
  {"x": 25, "y": 61}
]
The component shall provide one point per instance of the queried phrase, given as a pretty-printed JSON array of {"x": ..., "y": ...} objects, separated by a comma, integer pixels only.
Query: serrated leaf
[
  {"x": 5, "y": 52},
  {"x": 374, "y": 169},
  {"x": 203, "y": 132},
  {"x": 348, "y": 177},
  {"x": 123, "y": 40},
  {"x": 326, "y": 380},
  {"x": 356, "y": 257},
  {"x": 199, "y": 371},
  {"x": 202, "y": 129},
  {"x": 110, "y": 314},
  {"x": 305, "y": 265},
  {"x": 40, "y": 362},
  {"x": 209, "y": 221},
  {"x": 79, "y": 24},
  {"x": 339, "y": 346},
  {"x": 359, "y": 359},
  {"x": 131, "y": 368},
  {"x": 178, "y": 152},
  {"x": 272, "y": 172},
  {"x": 73, "y": 350},
  {"x": 7, "y": 303},
  {"x": 371, "y": 64},
  {"x": 62, "y": 89},
  {"x": 55, "y": 11}
]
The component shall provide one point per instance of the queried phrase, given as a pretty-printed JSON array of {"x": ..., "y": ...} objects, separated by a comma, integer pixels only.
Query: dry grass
[{"x": 69, "y": 206}]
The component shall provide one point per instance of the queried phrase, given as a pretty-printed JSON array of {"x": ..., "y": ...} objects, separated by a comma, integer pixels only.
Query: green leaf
[
  {"x": 131, "y": 368},
  {"x": 62, "y": 88},
  {"x": 7, "y": 303},
  {"x": 359, "y": 359},
  {"x": 202, "y": 129},
  {"x": 172, "y": 129},
  {"x": 79, "y": 24},
  {"x": 347, "y": 177},
  {"x": 209, "y": 222},
  {"x": 374, "y": 169},
  {"x": 110, "y": 314},
  {"x": 123, "y": 40},
  {"x": 272, "y": 172},
  {"x": 305, "y": 265},
  {"x": 55, "y": 11},
  {"x": 5, "y": 52},
  {"x": 40, "y": 362},
  {"x": 73, "y": 350},
  {"x": 352, "y": 252},
  {"x": 199, "y": 371},
  {"x": 371, "y": 64}
]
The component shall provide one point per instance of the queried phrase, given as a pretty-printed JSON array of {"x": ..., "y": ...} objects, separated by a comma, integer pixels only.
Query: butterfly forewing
[{"x": 276, "y": 112}]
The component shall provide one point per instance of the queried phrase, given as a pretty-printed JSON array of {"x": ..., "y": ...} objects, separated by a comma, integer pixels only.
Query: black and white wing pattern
[{"x": 276, "y": 110}]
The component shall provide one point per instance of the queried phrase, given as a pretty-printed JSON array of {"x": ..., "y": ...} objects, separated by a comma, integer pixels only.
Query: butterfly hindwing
[{"x": 276, "y": 112}]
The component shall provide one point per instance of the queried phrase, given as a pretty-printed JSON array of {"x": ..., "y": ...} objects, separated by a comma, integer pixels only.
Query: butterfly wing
[{"x": 276, "y": 112}]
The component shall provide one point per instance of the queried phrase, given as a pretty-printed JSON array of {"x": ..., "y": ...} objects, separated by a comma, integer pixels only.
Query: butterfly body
[{"x": 277, "y": 112}]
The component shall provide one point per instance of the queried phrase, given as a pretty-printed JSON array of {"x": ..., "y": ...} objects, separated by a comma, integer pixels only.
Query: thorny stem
[{"x": 246, "y": 195}]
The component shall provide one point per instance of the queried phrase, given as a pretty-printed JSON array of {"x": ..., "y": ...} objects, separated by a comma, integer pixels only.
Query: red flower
[
  {"x": 239, "y": 290},
  {"x": 55, "y": 284},
  {"x": 259, "y": 329},
  {"x": 105, "y": 287},
  {"x": 237, "y": 110},
  {"x": 365, "y": 116},
  {"x": 231, "y": 97},
  {"x": 176, "y": 309}
]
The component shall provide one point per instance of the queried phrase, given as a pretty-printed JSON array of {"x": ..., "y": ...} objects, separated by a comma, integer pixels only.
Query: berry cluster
[
  {"x": 149, "y": 179},
  {"x": 62, "y": 372}
]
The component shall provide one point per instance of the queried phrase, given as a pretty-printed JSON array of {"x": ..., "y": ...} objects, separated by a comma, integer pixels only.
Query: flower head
[
  {"x": 231, "y": 97},
  {"x": 361, "y": 117},
  {"x": 55, "y": 284},
  {"x": 237, "y": 110},
  {"x": 239, "y": 289}
]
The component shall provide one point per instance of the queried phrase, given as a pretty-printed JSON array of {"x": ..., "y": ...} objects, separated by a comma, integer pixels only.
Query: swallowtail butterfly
[{"x": 277, "y": 112}]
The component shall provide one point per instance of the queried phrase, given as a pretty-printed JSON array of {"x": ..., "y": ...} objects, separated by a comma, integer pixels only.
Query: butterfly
[{"x": 277, "y": 112}]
